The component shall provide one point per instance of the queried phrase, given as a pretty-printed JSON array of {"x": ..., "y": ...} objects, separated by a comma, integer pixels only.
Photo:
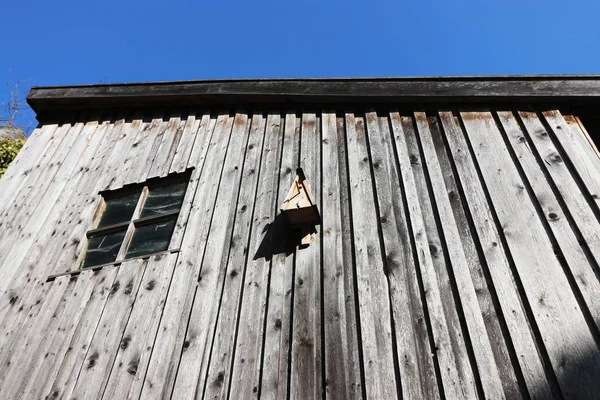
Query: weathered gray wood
[
  {"x": 373, "y": 291},
  {"x": 186, "y": 143},
  {"x": 581, "y": 270},
  {"x": 456, "y": 375},
  {"x": 17, "y": 351},
  {"x": 579, "y": 152},
  {"x": 21, "y": 166},
  {"x": 196, "y": 160},
  {"x": 130, "y": 158},
  {"x": 134, "y": 349},
  {"x": 501, "y": 275},
  {"x": 417, "y": 371},
  {"x": 485, "y": 363},
  {"x": 306, "y": 363},
  {"x": 218, "y": 372},
  {"x": 57, "y": 340},
  {"x": 167, "y": 148},
  {"x": 195, "y": 360},
  {"x": 103, "y": 346},
  {"x": 169, "y": 342},
  {"x": 342, "y": 368},
  {"x": 538, "y": 268},
  {"x": 65, "y": 373},
  {"x": 246, "y": 370},
  {"x": 274, "y": 380},
  {"x": 501, "y": 346}
]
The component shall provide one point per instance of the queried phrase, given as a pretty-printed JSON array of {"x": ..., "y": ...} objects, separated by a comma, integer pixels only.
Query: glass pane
[
  {"x": 119, "y": 209},
  {"x": 103, "y": 249},
  {"x": 164, "y": 198},
  {"x": 150, "y": 239}
]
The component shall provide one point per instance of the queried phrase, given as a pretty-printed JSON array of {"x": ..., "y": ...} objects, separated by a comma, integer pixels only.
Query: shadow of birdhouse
[{"x": 295, "y": 224}]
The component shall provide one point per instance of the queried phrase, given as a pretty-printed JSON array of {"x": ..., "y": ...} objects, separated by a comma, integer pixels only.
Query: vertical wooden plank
[
  {"x": 578, "y": 151},
  {"x": 39, "y": 375},
  {"x": 104, "y": 345},
  {"x": 130, "y": 158},
  {"x": 486, "y": 296},
  {"x": 196, "y": 161},
  {"x": 21, "y": 167},
  {"x": 342, "y": 368},
  {"x": 246, "y": 370},
  {"x": 164, "y": 361},
  {"x": 134, "y": 349},
  {"x": 306, "y": 330},
  {"x": 63, "y": 377},
  {"x": 374, "y": 307},
  {"x": 501, "y": 275},
  {"x": 21, "y": 350},
  {"x": 167, "y": 148},
  {"x": 275, "y": 363},
  {"x": 415, "y": 363},
  {"x": 218, "y": 378},
  {"x": 580, "y": 269},
  {"x": 539, "y": 270},
  {"x": 485, "y": 362},
  {"x": 186, "y": 143},
  {"x": 194, "y": 362},
  {"x": 456, "y": 376}
]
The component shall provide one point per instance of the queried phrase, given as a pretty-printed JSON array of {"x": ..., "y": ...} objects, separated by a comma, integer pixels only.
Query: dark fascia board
[{"x": 415, "y": 90}]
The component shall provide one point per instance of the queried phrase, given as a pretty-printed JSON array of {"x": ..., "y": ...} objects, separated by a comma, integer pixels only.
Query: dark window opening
[{"x": 136, "y": 221}]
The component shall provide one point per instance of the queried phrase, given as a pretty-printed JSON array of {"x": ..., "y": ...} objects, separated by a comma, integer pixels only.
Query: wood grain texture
[{"x": 458, "y": 256}]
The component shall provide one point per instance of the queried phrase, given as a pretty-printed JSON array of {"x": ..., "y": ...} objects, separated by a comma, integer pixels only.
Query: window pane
[
  {"x": 150, "y": 239},
  {"x": 119, "y": 209},
  {"x": 164, "y": 198},
  {"x": 103, "y": 249}
]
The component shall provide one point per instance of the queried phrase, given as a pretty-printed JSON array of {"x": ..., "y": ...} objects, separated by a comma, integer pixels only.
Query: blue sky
[{"x": 83, "y": 42}]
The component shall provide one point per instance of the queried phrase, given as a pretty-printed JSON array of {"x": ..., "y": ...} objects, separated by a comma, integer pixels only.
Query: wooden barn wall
[{"x": 458, "y": 258}]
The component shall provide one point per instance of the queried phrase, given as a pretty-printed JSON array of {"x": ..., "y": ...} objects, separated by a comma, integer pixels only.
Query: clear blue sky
[{"x": 83, "y": 42}]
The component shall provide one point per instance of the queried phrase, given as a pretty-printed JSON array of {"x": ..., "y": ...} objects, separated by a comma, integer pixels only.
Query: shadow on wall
[{"x": 281, "y": 238}]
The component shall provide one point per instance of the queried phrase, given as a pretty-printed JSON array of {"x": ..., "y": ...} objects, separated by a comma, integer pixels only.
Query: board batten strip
[
  {"x": 569, "y": 349},
  {"x": 32, "y": 222},
  {"x": 56, "y": 344},
  {"x": 103, "y": 347},
  {"x": 218, "y": 377},
  {"x": 186, "y": 143},
  {"x": 27, "y": 201},
  {"x": 196, "y": 161},
  {"x": 64, "y": 377},
  {"x": 476, "y": 330},
  {"x": 502, "y": 349},
  {"x": 167, "y": 148},
  {"x": 276, "y": 348},
  {"x": 415, "y": 363},
  {"x": 373, "y": 292},
  {"x": 306, "y": 325},
  {"x": 581, "y": 271},
  {"x": 134, "y": 349},
  {"x": 245, "y": 372},
  {"x": 455, "y": 381},
  {"x": 51, "y": 139},
  {"x": 16, "y": 175},
  {"x": 578, "y": 151},
  {"x": 18, "y": 351},
  {"x": 342, "y": 363},
  {"x": 497, "y": 264},
  {"x": 195, "y": 359},
  {"x": 162, "y": 369}
]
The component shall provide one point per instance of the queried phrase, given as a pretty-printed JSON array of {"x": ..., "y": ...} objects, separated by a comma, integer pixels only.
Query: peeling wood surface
[{"x": 458, "y": 257}]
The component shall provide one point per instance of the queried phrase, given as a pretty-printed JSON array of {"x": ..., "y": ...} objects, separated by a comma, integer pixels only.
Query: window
[{"x": 135, "y": 221}]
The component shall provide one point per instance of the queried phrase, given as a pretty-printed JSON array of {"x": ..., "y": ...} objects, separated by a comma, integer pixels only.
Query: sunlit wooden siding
[{"x": 458, "y": 257}]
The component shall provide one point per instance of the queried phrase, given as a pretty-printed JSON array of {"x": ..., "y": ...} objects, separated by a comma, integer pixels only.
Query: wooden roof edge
[{"x": 472, "y": 89}]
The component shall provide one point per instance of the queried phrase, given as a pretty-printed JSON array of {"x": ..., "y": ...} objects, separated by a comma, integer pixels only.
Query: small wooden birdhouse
[{"x": 298, "y": 206}]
